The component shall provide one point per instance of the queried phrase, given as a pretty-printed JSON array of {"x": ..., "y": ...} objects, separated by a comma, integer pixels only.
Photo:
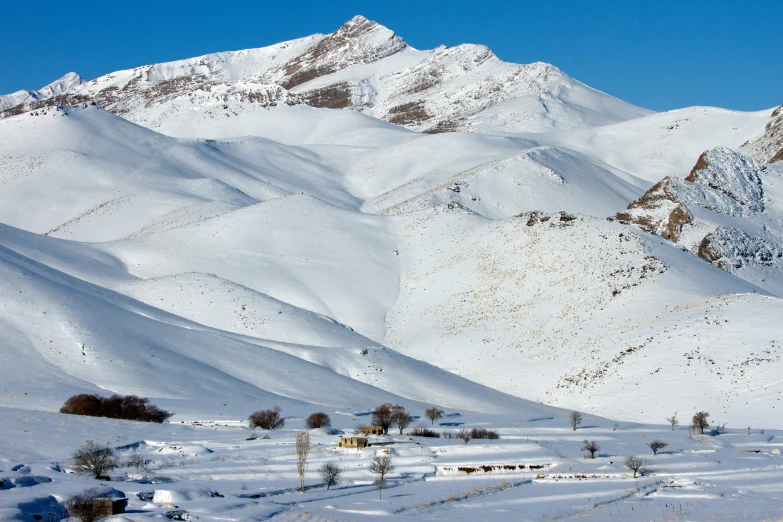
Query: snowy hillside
[{"x": 271, "y": 227}]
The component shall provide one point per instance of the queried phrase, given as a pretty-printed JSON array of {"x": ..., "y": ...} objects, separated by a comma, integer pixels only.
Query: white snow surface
[{"x": 215, "y": 241}]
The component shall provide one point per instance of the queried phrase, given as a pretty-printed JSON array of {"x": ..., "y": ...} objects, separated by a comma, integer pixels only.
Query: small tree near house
[
  {"x": 700, "y": 421},
  {"x": 433, "y": 414},
  {"x": 592, "y": 447},
  {"x": 401, "y": 418},
  {"x": 383, "y": 416},
  {"x": 330, "y": 473},
  {"x": 575, "y": 418},
  {"x": 657, "y": 446}
]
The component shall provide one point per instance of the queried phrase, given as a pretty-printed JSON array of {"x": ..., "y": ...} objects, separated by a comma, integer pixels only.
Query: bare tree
[
  {"x": 94, "y": 459},
  {"x": 591, "y": 446},
  {"x": 673, "y": 420},
  {"x": 576, "y": 419},
  {"x": 401, "y": 418},
  {"x": 635, "y": 463},
  {"x": 318, "y": 420},
  {"x": 383, "y": 416},
  {"x": 433, "y": 414},
  {"x": 381, "y": 465},
  {"x": 657, "y": 446},
  {"x": 267, "y": 419},
  {"x": 302, "y": 451},
  {"x": 465, "y": 435},
  {"x": 138, "y": 461},
  {"x": 700, "y": 421},
  {"x": 330, "y": 473}
]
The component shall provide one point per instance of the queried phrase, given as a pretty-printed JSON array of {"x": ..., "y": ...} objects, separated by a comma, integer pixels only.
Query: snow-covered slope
[
  {"x": 222, "y": 235},
  {"x": 362, "y": 66}
]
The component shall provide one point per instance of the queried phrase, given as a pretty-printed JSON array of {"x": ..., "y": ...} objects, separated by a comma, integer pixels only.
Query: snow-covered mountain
[
  {"x": 271, "y": 226},
  {"x": 362, "y": 66},
  {"x": 26, "y": 98}
]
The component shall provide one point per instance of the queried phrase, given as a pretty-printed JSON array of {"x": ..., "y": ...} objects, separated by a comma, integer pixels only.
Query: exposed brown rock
[
  {"x": 335, "y": 96},
  {"x": 407, "y": 113},
  {"x": 701, "y": 164}
]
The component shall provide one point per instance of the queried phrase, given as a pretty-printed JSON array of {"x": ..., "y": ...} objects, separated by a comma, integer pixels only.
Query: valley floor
[{"x": 211, "y": 470}]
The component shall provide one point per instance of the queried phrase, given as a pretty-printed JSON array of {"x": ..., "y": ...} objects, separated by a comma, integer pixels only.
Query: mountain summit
[{"x": 362, "y": 66}]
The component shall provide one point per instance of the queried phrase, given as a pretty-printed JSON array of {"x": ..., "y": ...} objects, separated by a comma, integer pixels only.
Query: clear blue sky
[{"x": 660, "y": 55}]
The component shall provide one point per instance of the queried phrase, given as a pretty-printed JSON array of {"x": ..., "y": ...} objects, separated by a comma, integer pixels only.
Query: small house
[
  {"x": 352, "y": 442},
  {"x": 106, "y": 507},
  {"x": 372, "y": 430}
]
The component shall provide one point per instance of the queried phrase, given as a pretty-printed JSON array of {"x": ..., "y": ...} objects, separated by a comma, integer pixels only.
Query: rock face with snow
[
  {"x": 724, "y": 190},
  {"x": 362, "y": 66},
  {"x": 768, "y": 147},
  {"x": 16, "y": 102}
]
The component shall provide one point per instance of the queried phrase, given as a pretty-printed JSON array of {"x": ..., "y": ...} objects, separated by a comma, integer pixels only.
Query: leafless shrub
[
  {"x": 318, "y": 420},
  {"x": 138, "y": 461},
  {"x": 700, "y": 421},
  {"x": 673, "y": 420},
  {"x": 94, "y": 459},
  {"x": 358, "y": 429},
  {"x": 635, "y": 463},
  {"x": 483, "y": 433},
  {"x": 267, "y": 419},
  {"x": 129, "y": 407},
  {"x": 80, "y": 506},
  {"x": 330, "y": 473},
  {"x": 657, "y": 446},
  {"x": 433, "y": 414},
  {"x": 423, "y": 431},
  {"x": 575, "y": 418},
  {"x": 383, "y": 416},
  {"x": 591, "y": 446},
  {"x": 464, "y": 434}
]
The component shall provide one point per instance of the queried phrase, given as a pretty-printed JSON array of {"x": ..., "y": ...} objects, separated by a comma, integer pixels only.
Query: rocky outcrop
[
  {"x": 725, "y": 182},
  {"x": 731, "y": 248},
  {"x": 768, "y": 148},
  {"x": 358, "y": 41}
]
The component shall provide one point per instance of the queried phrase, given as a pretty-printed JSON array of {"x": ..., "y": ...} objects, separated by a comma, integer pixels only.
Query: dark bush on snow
[
  {"x": 423, "y": 431},
  {"x": 129, "y": 407},
  {"x": 318, "y": 420},
  {"x": 483, "y": 433},
  {"x": 267, "y": 419}
]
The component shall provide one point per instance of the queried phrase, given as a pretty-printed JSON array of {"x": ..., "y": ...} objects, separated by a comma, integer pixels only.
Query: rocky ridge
[{"x": 362, "y": 66}]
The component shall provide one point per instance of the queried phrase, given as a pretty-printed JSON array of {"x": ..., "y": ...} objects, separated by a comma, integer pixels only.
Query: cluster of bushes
[
  {"x": 129, "y": 407},
  {"x": 483, "y": 433},
  {"x": 423, "y": 431}
]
